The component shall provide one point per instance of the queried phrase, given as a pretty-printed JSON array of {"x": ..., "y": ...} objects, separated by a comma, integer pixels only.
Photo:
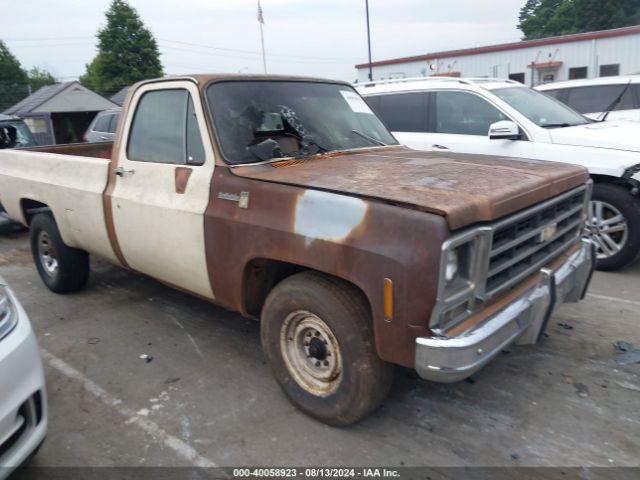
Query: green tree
[
  {"x": 39, "y": 77},
  {"x": 13, "y": 79},
  {"x": 127, "y": 52},
  {"x": 545, "y": 18}
]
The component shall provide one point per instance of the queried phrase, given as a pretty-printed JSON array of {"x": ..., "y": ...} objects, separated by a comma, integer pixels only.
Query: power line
[
  {"x": 255, "y": 52},
  {"x": 177, "y": 42},
  {"x": 276, "y": 60}
]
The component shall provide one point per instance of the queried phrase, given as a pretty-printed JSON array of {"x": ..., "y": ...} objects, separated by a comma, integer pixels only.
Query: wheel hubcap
[
  {"x": 47, "y": 254},
  {"x": 608, "y": 228},
  {"x": 311, "y": 353}
]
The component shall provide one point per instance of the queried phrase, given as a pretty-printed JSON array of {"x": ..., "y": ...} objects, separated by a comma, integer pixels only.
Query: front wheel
[
  {"x": 317, "y": 335},
  {"x": 614, "y": 224},
  {"x": 62, "y": 269}
]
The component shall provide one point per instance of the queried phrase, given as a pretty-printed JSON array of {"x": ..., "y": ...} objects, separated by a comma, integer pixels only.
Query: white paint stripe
[
  {"x": 174, "y": 443},
  {"x": 195, "y": 345},
  {"x": 614, "y": 299}
]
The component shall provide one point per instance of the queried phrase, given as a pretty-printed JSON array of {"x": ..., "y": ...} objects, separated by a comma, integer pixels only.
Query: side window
[
  {"x": 402, "y": 112},
  {"x": 553, "y": 93},
  {"x": 464, "y": 113},
  {"x": 102, "y": 124},
  {"x": 164, "y": 129},
  {"x": 113, "y": 123},
  {"x": 636, "y": 93},
  {"x": 599, "y": 98}
]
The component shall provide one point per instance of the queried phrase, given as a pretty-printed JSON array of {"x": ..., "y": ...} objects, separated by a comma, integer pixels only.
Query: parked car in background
[
  {"x": 356, "y": 253},
  {"x": 606, "y": 98},
  {"x": 503, "y": 117},
  {"x": 23, "y": 136},
  {"x": 103, "y": 127},
  {"x": 23, "y": 399}
]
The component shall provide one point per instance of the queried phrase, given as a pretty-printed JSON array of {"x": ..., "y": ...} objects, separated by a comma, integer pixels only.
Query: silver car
[
  {"x": 103, "y": 126},
  {"x": 23, "y": 399}
]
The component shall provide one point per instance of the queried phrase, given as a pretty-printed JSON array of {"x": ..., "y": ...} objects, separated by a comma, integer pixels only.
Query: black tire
[
  {"x": 363, "y": 381},
  {"x": 620, "y": 198},
  {"x": 72, "y": 265}
]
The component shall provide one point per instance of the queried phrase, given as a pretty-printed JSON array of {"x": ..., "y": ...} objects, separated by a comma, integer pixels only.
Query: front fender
[{"x": 359, "y": 240}]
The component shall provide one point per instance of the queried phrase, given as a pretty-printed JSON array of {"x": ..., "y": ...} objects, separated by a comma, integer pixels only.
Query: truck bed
[{"x": 70, "y": 180}]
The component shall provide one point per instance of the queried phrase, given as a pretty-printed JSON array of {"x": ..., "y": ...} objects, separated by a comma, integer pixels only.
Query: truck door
[{"x": 162, "y": 179}]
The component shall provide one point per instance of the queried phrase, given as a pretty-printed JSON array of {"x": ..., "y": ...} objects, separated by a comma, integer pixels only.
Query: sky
[{"x": 324, "y": 38}]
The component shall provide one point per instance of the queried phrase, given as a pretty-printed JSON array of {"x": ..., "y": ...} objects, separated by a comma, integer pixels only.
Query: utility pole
[{"x": 369, "y": 40}]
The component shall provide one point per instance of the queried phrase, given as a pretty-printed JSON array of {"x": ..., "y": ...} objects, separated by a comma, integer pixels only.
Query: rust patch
[
  {"x": 388, "y": 242},
  {"x": 97, "y": 150},
  {"x": 182, "y": 175},
  {"x": 111, "y": 183},
  {"x": 464, "y": 188}
]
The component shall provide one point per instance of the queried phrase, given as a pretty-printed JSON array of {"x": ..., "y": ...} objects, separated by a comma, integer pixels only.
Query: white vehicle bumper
[{"x": 23, "y": 401}]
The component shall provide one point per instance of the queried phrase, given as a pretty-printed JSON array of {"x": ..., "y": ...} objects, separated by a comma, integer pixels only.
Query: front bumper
[
  {"x": 451, "y": 359},
  {"x": 23, "y": 401}
]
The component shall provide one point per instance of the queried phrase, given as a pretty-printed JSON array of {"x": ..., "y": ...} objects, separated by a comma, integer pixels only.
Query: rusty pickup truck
[{"x": 287, "y": 200}]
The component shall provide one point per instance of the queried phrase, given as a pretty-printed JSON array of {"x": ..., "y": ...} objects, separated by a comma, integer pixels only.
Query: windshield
[
  {"x": 262, "y": 120},
  {"x": 24, "y": 138},
  {"x": 544, "y": 111}
]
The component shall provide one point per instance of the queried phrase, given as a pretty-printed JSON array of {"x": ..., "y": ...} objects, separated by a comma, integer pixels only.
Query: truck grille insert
[{"x": 526, "y": 241}]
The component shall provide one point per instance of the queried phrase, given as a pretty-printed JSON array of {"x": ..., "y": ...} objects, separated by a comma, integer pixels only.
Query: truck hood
[
  {"x": 617, "y": 135},
  {"x": 465, "y": 189}
]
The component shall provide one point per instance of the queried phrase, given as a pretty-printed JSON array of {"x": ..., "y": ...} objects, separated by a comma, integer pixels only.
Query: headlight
[
  {"x": 464, "y": 259},
  {"x": 8, "y": 317},
  {"x": 451, "y": 266}
]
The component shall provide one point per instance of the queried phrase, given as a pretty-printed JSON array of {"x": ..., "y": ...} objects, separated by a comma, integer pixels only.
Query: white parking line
[
  {"x": 174, "y": 443},
  {"x": 613, "y": 299}
]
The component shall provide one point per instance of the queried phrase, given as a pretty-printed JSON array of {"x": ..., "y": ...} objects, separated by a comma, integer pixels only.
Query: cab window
[
  {"x": 464, "y": 113},
  {"x": 165, "y": 130}
]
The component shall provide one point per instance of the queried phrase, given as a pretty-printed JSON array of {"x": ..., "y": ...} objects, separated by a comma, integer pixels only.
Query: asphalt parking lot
[{"x": 203, "y": 394}]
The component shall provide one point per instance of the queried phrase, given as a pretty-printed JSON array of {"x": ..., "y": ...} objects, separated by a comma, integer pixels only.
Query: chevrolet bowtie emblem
[{"x": 548, "y": 233}]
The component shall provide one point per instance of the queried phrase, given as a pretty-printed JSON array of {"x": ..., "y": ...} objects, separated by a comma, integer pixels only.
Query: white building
[{"x": 584, "y": 55}]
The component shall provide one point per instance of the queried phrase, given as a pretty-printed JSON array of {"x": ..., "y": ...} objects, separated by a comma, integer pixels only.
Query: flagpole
[
  {"x": 264, "y": 57},
  {"x": 261, "y": 22},
  {"x": 366, "y": 3}
]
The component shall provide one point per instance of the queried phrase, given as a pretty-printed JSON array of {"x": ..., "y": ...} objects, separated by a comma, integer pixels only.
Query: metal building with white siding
[{"x": 532, "y": 62}]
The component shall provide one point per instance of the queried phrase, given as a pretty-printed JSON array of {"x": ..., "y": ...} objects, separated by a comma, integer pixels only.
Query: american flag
[{"x": 260, "y": 16}]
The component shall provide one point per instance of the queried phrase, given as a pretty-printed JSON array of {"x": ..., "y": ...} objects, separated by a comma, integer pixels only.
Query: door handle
[
  {"x": 120, "y": 171},
  {"x": 440, "y": 147},
  {"x": 102, "y": 137}
]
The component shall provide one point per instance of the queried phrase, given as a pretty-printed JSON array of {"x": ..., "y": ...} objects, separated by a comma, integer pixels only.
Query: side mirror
[{"x": 504, "y": 130}]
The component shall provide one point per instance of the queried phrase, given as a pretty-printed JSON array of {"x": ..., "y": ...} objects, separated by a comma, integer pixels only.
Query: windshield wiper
[
  {"x": 615, "y": 103},
  {"x": 367, "y": 137},
  {"x": 558, "y": 125}
]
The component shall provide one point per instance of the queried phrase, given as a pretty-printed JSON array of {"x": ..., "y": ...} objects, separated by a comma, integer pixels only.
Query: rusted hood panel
[{"x": 463, "y": 188}]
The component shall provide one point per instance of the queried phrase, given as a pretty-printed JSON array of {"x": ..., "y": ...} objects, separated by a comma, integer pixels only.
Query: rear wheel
[
  {"x": 614, "y": 225},
  {"x": 62, "y": 269},
  {"x": 318, "y": 338}
]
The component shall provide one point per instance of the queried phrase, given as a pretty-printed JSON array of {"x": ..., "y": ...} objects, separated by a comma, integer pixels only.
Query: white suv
[
  {"x": 503, "y": 117},
  {"x": 606, "y": 98}
]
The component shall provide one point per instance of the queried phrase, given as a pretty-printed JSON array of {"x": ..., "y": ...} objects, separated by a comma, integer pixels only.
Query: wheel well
[
  {"x": 262, "y": 274},
  {"x": 32, "y": 207},
  {"x": 611, "y": 180}
]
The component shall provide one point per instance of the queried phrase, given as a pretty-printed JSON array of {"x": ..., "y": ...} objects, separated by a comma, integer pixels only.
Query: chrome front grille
[{"x": 526, "y": 241}]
